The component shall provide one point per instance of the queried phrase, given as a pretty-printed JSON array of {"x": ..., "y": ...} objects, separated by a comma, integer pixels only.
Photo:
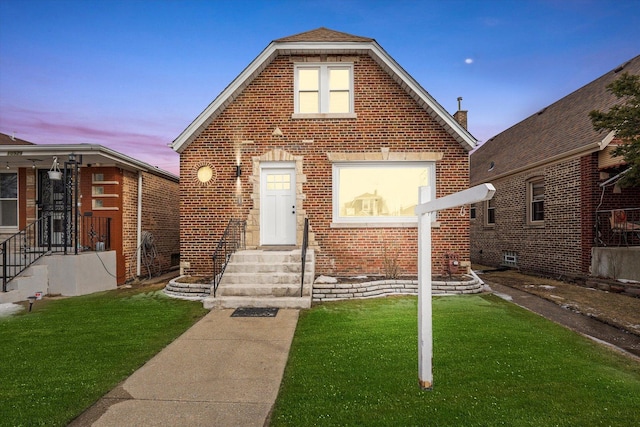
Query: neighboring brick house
[
  {"x": 556, "y": 188},
  {"x": 138, "y": 200},
  {"x": 326, "y": 126}
]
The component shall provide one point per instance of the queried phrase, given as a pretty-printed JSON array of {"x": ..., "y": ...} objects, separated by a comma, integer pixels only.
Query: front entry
[
  {"x": 51, "y": 201},
  {"x": 277, "y": 204}
]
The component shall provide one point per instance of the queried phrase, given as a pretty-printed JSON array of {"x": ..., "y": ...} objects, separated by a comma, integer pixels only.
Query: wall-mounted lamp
[
  {"x": 8, "y": 165},
  {"x": 72, "y": 157},
  {"x": 238, "y": 171}
]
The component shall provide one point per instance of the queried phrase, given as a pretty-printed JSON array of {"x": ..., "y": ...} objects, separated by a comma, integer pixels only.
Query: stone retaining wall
[{"x": 380, "y": 288}]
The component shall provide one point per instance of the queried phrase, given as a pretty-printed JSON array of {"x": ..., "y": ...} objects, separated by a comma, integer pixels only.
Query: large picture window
[
  {"x": 371, "y": 192},
  {"x": 324, "y": 88},
  {"x": 8, "y": 200}
]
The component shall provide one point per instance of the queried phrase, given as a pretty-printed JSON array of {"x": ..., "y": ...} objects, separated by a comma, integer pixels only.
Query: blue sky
[{"x": 131, "y": 75}]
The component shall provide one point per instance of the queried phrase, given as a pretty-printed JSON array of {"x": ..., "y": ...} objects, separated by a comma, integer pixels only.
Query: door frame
[{"x": 289, "y": 166}]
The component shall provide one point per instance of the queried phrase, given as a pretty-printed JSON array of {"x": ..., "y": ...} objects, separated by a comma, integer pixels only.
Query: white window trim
[
  {"x": 486, "y": 213},
  {"x": 529, "y": 194},
  {"x": 377, "y": 221},
  {"x": 323, "y": 91}
]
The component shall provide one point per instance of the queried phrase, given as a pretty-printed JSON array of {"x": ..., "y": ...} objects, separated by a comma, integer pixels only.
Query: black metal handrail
[
  {"x": 618, "y": 227},
  {"x": 22, "y": 249},
  {"x": 232, "y": 239},
  {"x": 305, "y": 244}
]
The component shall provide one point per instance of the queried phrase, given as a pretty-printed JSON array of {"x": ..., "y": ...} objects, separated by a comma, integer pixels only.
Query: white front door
[{"x": 278, "y": 205}]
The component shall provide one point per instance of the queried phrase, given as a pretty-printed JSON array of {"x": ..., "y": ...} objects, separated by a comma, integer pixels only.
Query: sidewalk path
[
  {"x": 580, "y": 323},
  {"x": 224, "y": 371}
]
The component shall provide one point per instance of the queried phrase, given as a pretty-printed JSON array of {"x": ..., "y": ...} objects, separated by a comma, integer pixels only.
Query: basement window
[{"x": 510, "y": 259}]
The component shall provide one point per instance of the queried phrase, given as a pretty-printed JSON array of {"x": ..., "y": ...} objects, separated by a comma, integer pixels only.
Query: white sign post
[{"x": 424, "y": 210}]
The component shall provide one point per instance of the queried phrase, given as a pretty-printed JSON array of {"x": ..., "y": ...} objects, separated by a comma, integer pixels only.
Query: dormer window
[{"x": 323, "y": 90}]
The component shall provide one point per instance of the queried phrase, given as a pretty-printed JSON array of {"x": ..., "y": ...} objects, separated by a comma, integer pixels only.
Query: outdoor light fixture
[
  {"x": 238, "y": 171},
  {"x": 72, "y": 157},
  {"x": 54, "y": 173},
  {"x": 7, "y": 165},
  {"x": 31, "y": 299}
]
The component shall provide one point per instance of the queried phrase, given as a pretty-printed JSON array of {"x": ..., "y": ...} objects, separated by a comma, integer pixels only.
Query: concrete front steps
[
  {"x": 256, "y": 278},
  {"x": 34, "y": 278}
]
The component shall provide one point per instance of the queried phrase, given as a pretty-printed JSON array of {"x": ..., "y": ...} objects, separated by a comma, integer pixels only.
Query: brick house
[
  {"x": 557, "y": 190},
  {"x": 122, "y": 203},
  {"x": 323, "y": 126}
]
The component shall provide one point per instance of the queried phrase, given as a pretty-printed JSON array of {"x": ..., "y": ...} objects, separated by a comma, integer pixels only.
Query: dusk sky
[{"x": 131, "y": 75}]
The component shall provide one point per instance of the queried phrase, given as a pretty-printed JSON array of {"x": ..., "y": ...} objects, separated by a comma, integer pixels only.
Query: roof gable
[
  {"x": 559, "y": 130},
  {"x": 324, "y": 41}
]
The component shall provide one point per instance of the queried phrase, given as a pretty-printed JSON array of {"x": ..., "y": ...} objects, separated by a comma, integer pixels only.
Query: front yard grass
[
  {"x": 354, "y": 363},
  {"x": 63, "y": 356}
]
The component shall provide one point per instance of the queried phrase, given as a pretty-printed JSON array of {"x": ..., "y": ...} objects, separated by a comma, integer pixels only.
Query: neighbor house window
[
  {"x": 535, "y": 200},
  {"x": 490, "y": 211},
  {"x": 379, "y": 192},
  {"x": 8, "y": 200},
  {"x": 324, "y": 88}
]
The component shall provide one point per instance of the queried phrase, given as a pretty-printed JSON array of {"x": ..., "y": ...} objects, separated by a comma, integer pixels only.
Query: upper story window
[
  {"x": 535, "y": 201},
  {"x": 472, "y": 211},
  {"x": 8, "y": 200},
  {"x": 324, "y": 89}
]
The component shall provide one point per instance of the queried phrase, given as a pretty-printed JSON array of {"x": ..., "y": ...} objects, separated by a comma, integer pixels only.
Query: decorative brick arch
[{"x": 253, "y": 219}]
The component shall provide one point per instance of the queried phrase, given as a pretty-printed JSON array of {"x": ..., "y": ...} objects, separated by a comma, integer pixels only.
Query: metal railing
[
  {"x": 41, "y": 237},
  {"x": 618, "y": 227},
  {"x": 305, "y": 244},
  {"x": 22, "y": 249},
  {"x": 232, "y": 239}
]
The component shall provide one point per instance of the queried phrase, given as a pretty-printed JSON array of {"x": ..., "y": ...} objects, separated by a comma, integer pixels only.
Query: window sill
[
  {"x": 105, "y": 182},
  {"x": 535, "y": 225},
  {"x": 104, "y": 195},
  {"x": 323, "y": 116},
  {"x": 105, "y": 209},
  {"x": 435, "y": 224}
]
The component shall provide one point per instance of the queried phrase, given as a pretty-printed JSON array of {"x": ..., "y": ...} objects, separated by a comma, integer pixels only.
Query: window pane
[
  {"x": 8, "y": 185},
  {"x": 308, "y": 79},
  {"x": 537, "y": 211},
  {"x": 339, "y": 79},
  {"x": 380, "y": 191},
  {"x": 308, "y": 102},
  {"x": 8, "y": 213},
  {"x": 339, "y": 102}
]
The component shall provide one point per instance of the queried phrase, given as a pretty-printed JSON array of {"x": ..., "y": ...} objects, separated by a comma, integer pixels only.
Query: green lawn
[
  {"x": 354, "y": 363},
  {"x": 64, "y": 355}
]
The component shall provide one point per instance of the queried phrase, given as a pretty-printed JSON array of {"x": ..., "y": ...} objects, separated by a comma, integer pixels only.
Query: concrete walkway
[{"x": 224, "y": 371}]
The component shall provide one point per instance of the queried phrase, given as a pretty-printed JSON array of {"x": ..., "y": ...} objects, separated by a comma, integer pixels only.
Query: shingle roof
[
  {"x": 11, "y": 140},
  {"x": 323, "y": 34},
  {"x": 562, "y": 128}
]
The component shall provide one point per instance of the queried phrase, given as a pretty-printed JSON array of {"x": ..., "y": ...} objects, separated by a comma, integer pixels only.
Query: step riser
[
  {"x": 263, "y": 268},
  {"x": 263, "y": 279}
]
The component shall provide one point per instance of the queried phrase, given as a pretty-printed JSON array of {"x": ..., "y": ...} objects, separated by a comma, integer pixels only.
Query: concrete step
[
  {"x": 266, "y": 302},
  {"x": 261, "y": 290},
  {"x": 270, "y": 257},
  {"x": 263, "y": 267},
  {"x": 276, "y": 278}
]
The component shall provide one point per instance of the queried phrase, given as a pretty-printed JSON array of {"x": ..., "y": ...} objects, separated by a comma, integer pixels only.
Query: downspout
[{"x": 139, "y": 225}]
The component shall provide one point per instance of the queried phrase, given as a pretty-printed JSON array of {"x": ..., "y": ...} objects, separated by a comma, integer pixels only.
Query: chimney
[{"x": 461, "y": 115}]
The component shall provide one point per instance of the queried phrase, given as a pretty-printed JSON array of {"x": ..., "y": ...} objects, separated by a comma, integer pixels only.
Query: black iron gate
[{"x": 51, "y": 201}]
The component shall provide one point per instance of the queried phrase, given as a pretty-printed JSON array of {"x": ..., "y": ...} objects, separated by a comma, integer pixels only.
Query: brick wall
[
  {"x": 554, "y": 248},
  {"x": 159, "y": 218},
  {"x": 387, "y": 117}
]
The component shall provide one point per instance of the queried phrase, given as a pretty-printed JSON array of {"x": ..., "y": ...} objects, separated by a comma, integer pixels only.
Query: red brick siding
[{"x": 387, "y": 117}]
